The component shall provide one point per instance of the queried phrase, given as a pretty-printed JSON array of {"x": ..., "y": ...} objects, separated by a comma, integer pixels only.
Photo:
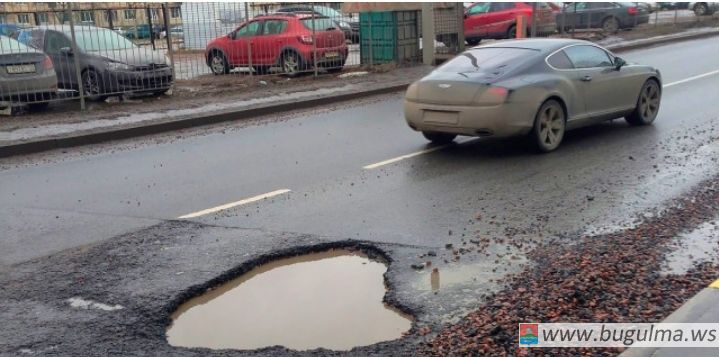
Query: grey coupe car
[
  {"x": 535, "y": 87},
  {"x": 26, "y": 75}
]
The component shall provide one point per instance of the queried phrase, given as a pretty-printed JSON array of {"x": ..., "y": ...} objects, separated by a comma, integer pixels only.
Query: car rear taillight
[
  {"x": 307, "y": 40},
  {"x": 632, "y": 10},
  {"x": 47, "y": 64},
  {"x": 492, "y": 96}
]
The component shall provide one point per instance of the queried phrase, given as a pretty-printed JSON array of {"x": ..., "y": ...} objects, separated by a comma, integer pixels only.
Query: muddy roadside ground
[
  {"x": 616, "y": 277},
  {"x": 208, "y": 89}
]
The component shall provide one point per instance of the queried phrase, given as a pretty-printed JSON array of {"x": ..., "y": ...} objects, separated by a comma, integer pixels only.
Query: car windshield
[
  {"x": 479, "y": 59},
  {"x": 318, "y": 24},
  {"x": 9, "y": 46},
  {"x": 102, "y": 40}
]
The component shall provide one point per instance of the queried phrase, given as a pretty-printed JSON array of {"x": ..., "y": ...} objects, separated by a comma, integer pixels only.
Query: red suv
[
  {"x": 498, "y": 20},
  {"x": 284, "y": 40}
]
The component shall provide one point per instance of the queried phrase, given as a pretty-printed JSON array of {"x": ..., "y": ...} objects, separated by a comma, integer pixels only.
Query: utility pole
[{"x": 428, "y": 33}]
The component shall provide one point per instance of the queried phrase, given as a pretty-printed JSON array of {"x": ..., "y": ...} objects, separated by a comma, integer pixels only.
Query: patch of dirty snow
[{"x": 80, "y": 303}]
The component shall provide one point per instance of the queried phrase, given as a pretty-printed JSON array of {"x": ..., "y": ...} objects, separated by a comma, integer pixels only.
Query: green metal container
[{"x": 388, "y": 36}]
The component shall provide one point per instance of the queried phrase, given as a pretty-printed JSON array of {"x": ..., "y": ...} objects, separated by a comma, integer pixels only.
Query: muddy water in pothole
[{"x": 331, "y": 299}]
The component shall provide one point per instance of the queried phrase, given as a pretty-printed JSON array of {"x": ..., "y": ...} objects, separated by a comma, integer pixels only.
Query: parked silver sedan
[
  {"x": 535, "y": 87},
  {"x": 26, "y": 75}
]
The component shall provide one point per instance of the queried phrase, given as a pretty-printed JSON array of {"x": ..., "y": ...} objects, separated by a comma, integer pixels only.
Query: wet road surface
[{"x": 320, "y": 158}]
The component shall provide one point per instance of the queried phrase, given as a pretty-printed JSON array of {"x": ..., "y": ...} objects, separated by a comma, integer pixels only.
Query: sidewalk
[{"x": 702, "y": 308}]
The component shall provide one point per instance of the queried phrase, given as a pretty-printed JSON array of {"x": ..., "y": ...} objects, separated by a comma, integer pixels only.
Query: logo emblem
[
  {"x": 528, "y": 334},
  {"x": 444, "y": 85}
]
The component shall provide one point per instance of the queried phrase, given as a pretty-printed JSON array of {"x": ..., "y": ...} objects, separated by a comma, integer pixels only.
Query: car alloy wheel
[
  {"x": 512, "y": 32},
  {"x": 290, "y": 63},
  {"x": 92, "y": 86},
  {"x": 700, "y": 9},
  {"x": 549, "y": 126},
  {"x": 91, "y": 83},
  {"x": 610, "y": 25},
  {"x": 218, "y": 64},
  {"x": 647, "y": 105}
]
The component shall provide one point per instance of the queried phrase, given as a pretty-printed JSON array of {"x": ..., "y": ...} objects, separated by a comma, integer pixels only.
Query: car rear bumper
[
  {"x": 32, "y": 88},
  {"x": 504, "y": 120},
  {"x": 330, "y": 56}
]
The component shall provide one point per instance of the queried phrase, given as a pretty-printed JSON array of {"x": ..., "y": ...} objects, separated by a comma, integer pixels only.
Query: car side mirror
[
  {"x": 231, "y": 35},
  {"x": 465, "y": 15},
  {"x": 67, "y": 51},
  {"x": 619, "y": 63}
]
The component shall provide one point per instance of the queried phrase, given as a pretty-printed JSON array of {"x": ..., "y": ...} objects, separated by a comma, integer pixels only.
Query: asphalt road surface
[
  {"x": 321, "y": 157},
  {"x": 356, "y": 171}
]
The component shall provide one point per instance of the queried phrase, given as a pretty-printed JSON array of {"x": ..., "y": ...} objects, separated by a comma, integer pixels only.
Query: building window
[
  {"x": 87, "y": 16},
  {"x": 42, "y": 17},
  {"x": 23, "y": 18},
  {"x": 129, "y": 14},
  {"x": 2, "y": 19},
  {"x": 175, "y": 12},
  {"x": 153, "y": 13}
]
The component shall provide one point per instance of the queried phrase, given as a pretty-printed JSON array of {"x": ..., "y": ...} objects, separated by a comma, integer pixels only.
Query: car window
[
  {"x": 274, "y": 27},
  {"x": 501, "y": 6},
  {"x": 55, "y": 41},
  {"x": 560, "y": 60},
  {"x": 479, "y": 59},
  {"x": 248, "y": 30},
  {"x": 600, "y": 5},
  {"x": 588, "y": 57},
  {"x": 10, "y": 46},
  {"x": 34, "y": 38},
  {"x": 319, "y": 24},
  {"x": 99, "y": 39},
  {"x": 479, "y": 8}
]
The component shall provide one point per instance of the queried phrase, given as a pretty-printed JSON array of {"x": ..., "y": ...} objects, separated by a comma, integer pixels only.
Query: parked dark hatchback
[
  {"x": 109, "y": 62},
  {"x": 609, "y": 16}
]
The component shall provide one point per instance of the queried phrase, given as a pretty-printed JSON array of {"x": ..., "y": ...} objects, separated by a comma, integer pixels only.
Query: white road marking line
[
  {"x": 400, "y": 158},
  {"x": 234, "y": 204},
  {"x": 692, "y": 78}
]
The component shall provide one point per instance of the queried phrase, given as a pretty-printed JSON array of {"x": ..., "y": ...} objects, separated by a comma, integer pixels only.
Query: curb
[
  {"x": 661, "y": 41},
  {"x": 700, "y": 308},
  {"x": 41, "y": 145}
]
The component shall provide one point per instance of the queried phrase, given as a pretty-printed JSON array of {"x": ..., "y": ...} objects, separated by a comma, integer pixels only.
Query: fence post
[
  {"x": 149, "y": 23},
  {"x": 656, "y": 18},
  {"x": 460, "y": 27},
  {"x": 314, "y": 41},
  {"x": 170, "y": 52},
  {"x": 676, "y": 15},
  {"x": 428, "y": 33},
  {"x": 249, "y": 48},
  {"x": 371, "y": 56},
  {"x": 533, "y": 31},
  {"x": 75, "y": 57}
]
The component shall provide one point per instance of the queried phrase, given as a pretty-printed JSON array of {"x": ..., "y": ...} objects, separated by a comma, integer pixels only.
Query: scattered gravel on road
[{"x": 608, "y": 278}]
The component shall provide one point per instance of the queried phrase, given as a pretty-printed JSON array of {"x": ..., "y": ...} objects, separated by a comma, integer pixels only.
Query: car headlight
[
  {"x": 344, "y": 24},
  {"x": 119, "y": 66}
]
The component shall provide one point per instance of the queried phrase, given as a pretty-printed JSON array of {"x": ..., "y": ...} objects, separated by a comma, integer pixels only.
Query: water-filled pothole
[{"x": 331, "y": 300}]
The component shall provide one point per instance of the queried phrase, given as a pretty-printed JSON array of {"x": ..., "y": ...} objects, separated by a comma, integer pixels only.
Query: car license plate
[
  {"x": 332, "y": 54},
  {"x": 440, "y": 117},
  {"x": 21, "y": 68}
]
